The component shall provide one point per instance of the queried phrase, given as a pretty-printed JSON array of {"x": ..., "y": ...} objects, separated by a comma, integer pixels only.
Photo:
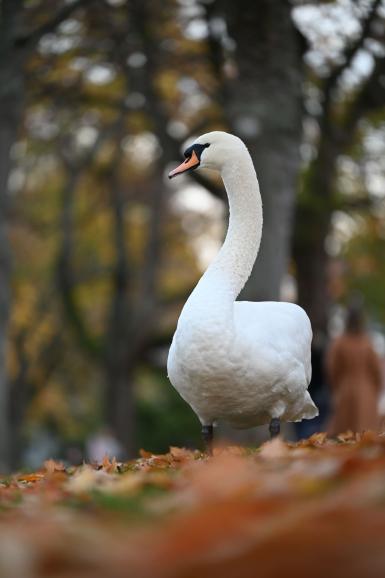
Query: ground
[{"x": 314, "y": 509}]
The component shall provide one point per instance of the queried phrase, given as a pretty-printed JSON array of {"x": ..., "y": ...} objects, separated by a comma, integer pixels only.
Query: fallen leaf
[
  {"x": 51, "y": 467},
  {"x": 274, "y": 449}
]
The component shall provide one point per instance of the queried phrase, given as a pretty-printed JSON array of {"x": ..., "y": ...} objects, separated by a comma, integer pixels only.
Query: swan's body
[{"x": 239, "y": 362}]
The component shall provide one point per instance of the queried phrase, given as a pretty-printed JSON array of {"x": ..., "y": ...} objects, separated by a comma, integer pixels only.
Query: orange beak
[{"x": 187, "y": 165}]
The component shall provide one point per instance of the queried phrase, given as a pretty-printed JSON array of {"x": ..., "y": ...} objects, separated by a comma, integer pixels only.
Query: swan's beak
[{"x": 187, "y": 165}]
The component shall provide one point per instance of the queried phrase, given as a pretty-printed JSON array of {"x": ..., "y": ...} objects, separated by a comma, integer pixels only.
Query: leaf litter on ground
[{"x": 313, "y": 508}]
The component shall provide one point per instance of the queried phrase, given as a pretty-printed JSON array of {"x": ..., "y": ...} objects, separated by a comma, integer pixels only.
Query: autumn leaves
[{"x": 293, "y": 508}]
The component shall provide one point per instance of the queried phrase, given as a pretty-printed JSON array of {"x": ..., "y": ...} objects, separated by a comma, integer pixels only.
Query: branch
[
  {"x": 358, "y": 204},
  {"x": 27, "y": 382},
  {"x": 215, "y": 53},
  {"x": 64, "y": 273},
  {"x": 155, "y": 109},
  {"x": 73, "y": 96},
  {"x": 119, "y": 307},
  {"x": 370, "y": 98},
  {"x": 152, "y": 253},
  {"x": 28, "y": 41},
  {"x": 349, "y": 53}
]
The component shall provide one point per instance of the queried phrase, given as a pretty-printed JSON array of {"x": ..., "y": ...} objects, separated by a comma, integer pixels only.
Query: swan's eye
[
  {"x": 188, "y": 152},
  {"x": 195, "y": 148}
]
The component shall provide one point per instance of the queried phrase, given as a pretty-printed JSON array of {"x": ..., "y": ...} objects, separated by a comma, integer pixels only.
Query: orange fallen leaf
[
  {"x": 276, "y": 448},
  {"x": 51, "y": 466},
  {"x": 34, "y": 477},
  {"x": 110, "y": 466},
  {"x": 346, "y": 436},
  {"x": 180, "y": 454}
]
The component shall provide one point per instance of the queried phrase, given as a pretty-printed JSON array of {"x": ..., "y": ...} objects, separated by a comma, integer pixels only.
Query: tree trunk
[
  {"x": 133, "y": 313},
  {"x": 313, "y": 216},
  {"x": 264, "y": 107},
  {"x": 120, "y": 403},
  {"x": 312, "y": 265},
  {"x": 120, "y": 359},
  {"x": 11, "y": 97}
]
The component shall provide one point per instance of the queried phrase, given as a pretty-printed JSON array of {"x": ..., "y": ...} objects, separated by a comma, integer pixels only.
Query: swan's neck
[{"x": 231, "y": 268}]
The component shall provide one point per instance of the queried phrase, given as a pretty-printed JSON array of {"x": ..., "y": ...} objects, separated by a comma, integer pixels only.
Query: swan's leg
[
  {"x": 274, "y": 427},
  {"x": 208, "y": 436}
]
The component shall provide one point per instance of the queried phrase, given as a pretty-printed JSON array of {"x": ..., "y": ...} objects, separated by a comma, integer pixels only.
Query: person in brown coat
[{"x": 355, "y": 377}]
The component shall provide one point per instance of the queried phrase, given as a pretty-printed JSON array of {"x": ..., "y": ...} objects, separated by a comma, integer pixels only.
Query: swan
[{"x": 239, "y": 362}]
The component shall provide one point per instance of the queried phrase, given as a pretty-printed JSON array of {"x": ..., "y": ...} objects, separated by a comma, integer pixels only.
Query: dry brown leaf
[
  {"x": 230, "y": 450},
  {"x": 86, "y": 479},
  {"x": 368, "y": 437},
  {"x": 276, "y": 448},
  {"x": 110, "y": 466},
  {"x": 347, "y": 436},
  {"x": 318, "y": 439},
  {"x": 180, "y": 454},
  {"x": 51, "y": 466},
  {"x": 226, "y": 515},
  {"x": 35, "y": 477}
]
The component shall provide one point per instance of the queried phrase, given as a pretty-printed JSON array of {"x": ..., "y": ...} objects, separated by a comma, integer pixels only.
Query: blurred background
[{"x": 98, "y": 251}]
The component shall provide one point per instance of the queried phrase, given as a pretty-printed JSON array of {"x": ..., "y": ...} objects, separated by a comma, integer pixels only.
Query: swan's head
[{"x": 213, "y": 150}]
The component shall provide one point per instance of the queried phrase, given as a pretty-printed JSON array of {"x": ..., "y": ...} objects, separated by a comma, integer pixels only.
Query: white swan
[{"x": 244, "y": 363}]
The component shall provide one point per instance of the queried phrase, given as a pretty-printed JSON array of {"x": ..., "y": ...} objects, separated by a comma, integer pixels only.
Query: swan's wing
[{"x": 284, "y": 327}]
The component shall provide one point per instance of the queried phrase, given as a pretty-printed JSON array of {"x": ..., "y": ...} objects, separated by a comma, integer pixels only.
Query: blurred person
[
  {"x": 103, "y": 443},
  {"x": 355, "y": 376}
]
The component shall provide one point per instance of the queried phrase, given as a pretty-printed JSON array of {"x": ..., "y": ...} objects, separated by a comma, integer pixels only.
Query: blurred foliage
[
  {"x": 365, "y": 265},
  {"x": 101, "y": 254},
  {"x": 163, "y": 416}
]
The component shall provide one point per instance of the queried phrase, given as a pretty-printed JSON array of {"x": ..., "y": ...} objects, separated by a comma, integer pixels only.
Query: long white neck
[{"x": 228, "y": 273}]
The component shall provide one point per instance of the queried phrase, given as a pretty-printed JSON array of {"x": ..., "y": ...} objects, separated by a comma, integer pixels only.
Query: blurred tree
[
  {"x": 11, "y": 101},
  {"x": 17, "y": 41},
  {"x": 341, "y": 112},
  {"x": 113, "y": 91},
  {"x": 124, "y": 166},
  {"x": 263, "y": 102}
]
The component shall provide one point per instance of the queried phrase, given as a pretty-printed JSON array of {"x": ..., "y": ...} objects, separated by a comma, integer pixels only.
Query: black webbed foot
[
  {"x": 275, "y": 427},
  {"x": 208, "y": 438}
]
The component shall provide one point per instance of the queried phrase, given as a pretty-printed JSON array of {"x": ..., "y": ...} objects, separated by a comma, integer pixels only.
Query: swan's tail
[{"x": 309, "y": 409}]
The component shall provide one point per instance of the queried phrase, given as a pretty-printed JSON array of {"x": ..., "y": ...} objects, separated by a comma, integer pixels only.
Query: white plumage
[{"x": 239, "y": 362}]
